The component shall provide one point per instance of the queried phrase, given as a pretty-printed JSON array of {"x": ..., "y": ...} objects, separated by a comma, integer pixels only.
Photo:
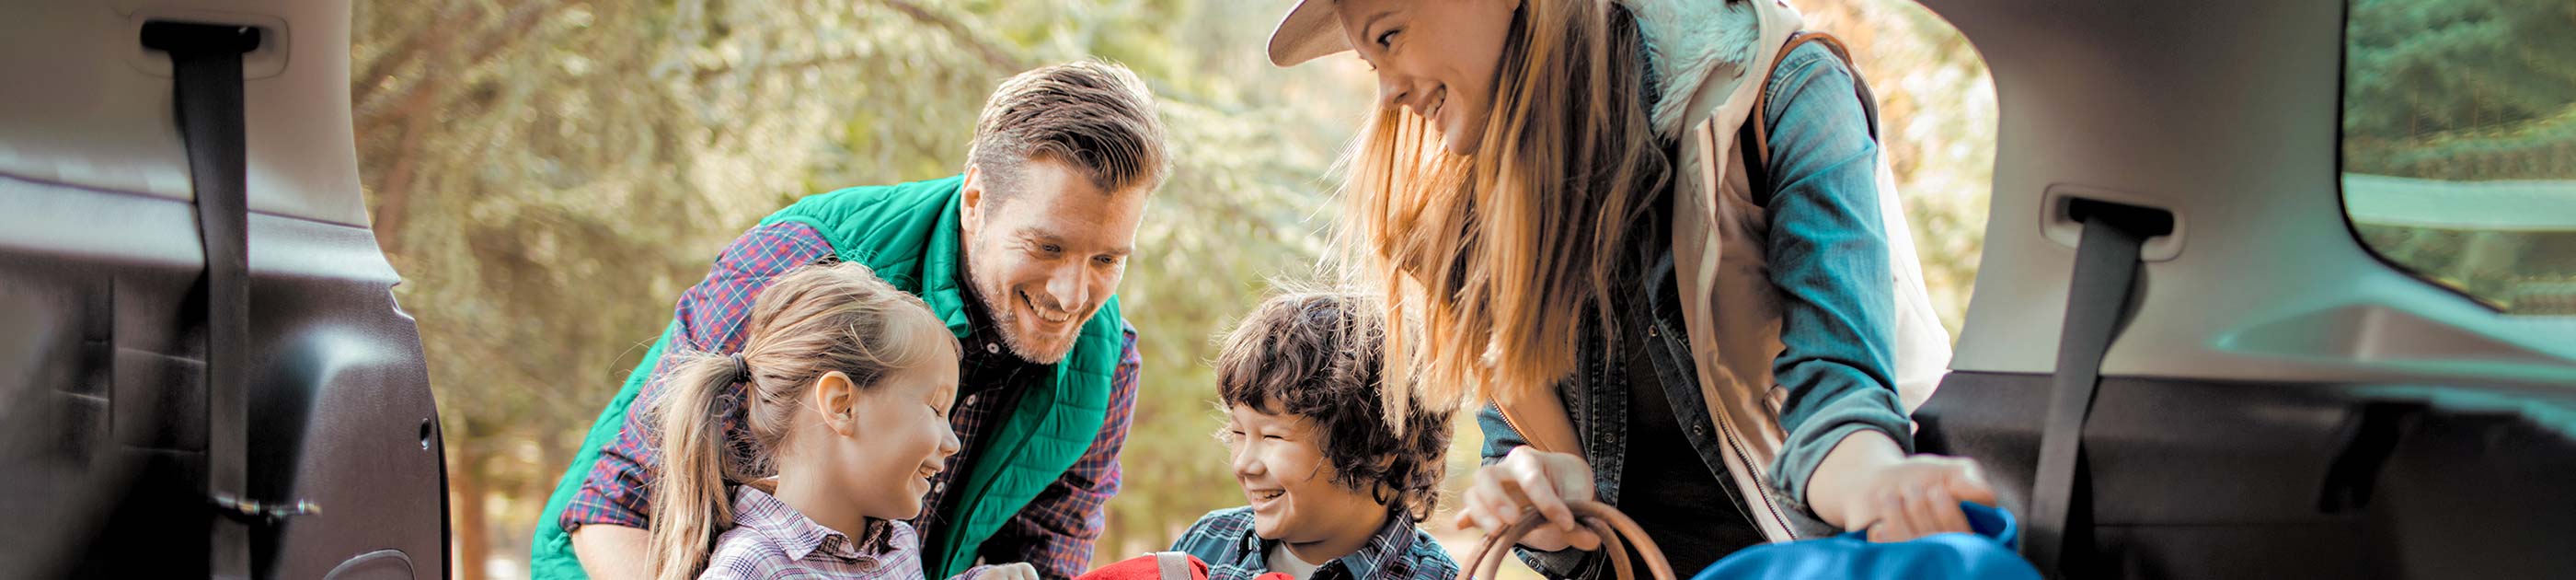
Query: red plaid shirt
[{"x": 1055, "y": 532}]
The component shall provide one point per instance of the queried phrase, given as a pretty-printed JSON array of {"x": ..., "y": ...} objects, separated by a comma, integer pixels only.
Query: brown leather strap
[
  {"x": 1753, "y": 120},
  {"x": 1611, "y": 525}
]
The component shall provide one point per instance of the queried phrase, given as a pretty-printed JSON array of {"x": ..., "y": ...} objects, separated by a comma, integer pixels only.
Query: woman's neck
[
  {"x": 1343, "y": 542},
  {"x": 804, "y": 490}
]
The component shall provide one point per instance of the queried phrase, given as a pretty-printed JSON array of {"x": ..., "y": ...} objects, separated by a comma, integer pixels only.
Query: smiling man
[{"x": 1021, "y": 256}]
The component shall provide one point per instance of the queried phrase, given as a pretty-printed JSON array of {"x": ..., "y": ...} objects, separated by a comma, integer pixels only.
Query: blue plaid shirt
[{"x": 1399, "y": 551}]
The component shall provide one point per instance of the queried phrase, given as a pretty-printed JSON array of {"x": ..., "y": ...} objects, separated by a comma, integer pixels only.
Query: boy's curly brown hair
[{"x": 1317, "y": 355}]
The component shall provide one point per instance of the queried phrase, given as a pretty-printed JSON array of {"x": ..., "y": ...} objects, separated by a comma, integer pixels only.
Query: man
[{"x": 1021, "y": 255}]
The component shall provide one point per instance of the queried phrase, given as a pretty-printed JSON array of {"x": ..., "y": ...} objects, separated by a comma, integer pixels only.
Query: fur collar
[{"x": 1688, "y": 44}]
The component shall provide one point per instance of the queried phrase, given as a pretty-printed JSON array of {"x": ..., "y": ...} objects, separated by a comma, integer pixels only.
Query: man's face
[{"x": 1044, "y": 256}]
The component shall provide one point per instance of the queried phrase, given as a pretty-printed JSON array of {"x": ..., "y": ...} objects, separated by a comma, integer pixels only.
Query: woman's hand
[
  {"x": 1011, "y": 571},
  {"x": 1919, "y": 496},
  {"x": 1868, "y": 483},
  {"x": 1526, "y": 479}
]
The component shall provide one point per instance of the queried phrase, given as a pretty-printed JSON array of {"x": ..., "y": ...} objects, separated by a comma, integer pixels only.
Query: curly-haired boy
[{"x": 1337, "y": 490}]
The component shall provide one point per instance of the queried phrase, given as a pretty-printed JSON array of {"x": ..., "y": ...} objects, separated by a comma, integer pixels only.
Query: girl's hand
[
  {"x": 1917, "y": 496},
  {"x": 1526, "y": 479},
  {"x": 1011, "y": 571}
]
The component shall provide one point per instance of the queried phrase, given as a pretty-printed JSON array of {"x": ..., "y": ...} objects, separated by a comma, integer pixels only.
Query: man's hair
[
  {"x": 1095, "y": 117},
  {"x": 1316, "y": 355}
]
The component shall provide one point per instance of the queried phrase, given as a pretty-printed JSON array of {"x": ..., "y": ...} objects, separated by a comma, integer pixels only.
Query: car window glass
[{"x": 2459, "y": 144}]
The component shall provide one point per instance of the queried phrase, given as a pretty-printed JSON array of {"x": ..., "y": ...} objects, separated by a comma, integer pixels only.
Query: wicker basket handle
[{"x": 1601, "y": 518}]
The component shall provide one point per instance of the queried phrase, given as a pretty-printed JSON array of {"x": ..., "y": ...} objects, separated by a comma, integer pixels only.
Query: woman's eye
[{"x": 1387, "y": 39}]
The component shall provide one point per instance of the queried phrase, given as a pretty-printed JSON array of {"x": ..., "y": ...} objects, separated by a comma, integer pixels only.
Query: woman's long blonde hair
[
  {"x": 811, "y": 321},
  {"x": 1490, "y": 259}
]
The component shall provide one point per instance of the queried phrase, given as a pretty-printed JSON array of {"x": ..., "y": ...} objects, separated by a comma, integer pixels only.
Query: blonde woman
[{"x": 1559, "y": 194}]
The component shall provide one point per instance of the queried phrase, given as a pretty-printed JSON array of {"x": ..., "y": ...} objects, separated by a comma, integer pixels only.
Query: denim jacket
[{"x": 1827, "y": 260}]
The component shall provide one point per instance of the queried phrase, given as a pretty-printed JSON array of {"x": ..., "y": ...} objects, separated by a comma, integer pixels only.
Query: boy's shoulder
[
  {"x": 1429, "y": 558},
  {"x": 1217, "y": 535}
]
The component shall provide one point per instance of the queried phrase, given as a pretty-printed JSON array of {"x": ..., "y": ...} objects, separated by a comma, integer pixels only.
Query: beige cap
[{"x": 1312, "y": 29}]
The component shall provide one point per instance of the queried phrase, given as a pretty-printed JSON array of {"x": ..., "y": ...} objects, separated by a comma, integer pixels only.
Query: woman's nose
[{"x": 1392, "y": 91}]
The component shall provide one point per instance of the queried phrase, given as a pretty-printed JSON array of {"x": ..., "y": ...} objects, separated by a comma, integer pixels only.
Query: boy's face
[{"x": 1279, "y": 461}]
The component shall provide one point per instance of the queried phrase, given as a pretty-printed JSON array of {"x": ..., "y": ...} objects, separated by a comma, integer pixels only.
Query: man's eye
[
  {"x": 1050, "y": 249},
  {"x": 1106, "y": 260}
]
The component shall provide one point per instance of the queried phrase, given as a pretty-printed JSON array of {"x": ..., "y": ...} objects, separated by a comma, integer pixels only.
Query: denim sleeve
[
  {"x": 1500, "y": 439},
  {"x": 1829, "y": 259}
]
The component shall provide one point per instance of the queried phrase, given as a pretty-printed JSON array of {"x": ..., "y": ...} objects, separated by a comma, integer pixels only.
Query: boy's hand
[
  {"x": 1528, "y": 479},
  {"x": 1011, "y": 571}
]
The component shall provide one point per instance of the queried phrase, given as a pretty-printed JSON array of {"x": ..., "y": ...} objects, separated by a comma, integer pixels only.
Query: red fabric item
[
  {"x": 1145, "y": 568},
  {"x": 1272, "y": 576}
]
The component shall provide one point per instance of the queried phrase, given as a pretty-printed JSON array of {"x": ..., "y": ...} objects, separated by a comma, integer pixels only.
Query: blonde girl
[{"x": 844, "y": 385}]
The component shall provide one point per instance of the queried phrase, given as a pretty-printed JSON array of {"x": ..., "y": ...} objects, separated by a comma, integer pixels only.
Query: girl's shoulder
[{"x": 743, "y": 552}]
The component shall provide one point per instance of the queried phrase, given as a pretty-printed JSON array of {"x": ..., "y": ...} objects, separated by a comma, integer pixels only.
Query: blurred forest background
[{"x": 548, "y": 175}]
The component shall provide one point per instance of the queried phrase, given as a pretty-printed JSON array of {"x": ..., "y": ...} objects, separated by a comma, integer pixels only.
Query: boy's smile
[{"x": 1280, "y": 465}]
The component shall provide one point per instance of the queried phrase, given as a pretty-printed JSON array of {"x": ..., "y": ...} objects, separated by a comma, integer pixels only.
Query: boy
[{"x": 1337, "y": 491}]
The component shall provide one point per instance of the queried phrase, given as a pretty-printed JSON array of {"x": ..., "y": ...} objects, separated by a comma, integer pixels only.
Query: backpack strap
[
  {"x": 1173, "y": 566},
  {"x": 1755, "y": 136}
]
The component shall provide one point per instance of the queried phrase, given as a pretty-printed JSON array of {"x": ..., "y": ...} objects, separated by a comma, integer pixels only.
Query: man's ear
[
  {"x": 837, "y": 398},
  {"x": 970, "y": 208}
]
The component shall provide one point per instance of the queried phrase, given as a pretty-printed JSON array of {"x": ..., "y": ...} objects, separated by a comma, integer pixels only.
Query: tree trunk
[{"x": 465, "y": 479}]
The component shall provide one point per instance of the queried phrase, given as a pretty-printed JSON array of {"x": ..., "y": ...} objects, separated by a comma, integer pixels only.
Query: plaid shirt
[
  {"x": 1399, "y": 551},
  {"x": 1055, "y": 532},
  {"x": 771, "y": 540}
]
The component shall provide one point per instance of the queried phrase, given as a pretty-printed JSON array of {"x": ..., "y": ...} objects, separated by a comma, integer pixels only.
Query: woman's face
[{"x": 1435, "y": 58}]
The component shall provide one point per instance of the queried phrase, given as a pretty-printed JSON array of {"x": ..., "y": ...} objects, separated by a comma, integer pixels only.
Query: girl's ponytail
[{"x": 689, "y": 493}]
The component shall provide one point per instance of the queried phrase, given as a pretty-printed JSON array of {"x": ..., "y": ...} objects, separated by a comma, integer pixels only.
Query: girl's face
[
  {"x": 1435, "y": 58},
  {"x": 1289, "y": 483},
  {"x": 896, "y": 439}
]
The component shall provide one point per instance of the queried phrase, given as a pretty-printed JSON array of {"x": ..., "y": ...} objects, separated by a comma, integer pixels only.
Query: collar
[
  {"x": 800, "y": 536},
  {"x": 1392, "y": 541},
  {"x": 1690, "y": 43}
]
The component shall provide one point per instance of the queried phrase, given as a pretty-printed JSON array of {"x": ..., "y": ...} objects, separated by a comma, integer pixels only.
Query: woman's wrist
[{"x": 1840, "y": 481}]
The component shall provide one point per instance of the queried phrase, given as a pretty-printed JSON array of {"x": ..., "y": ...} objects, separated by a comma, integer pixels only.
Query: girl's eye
[{"x": 1387, "y": 39}]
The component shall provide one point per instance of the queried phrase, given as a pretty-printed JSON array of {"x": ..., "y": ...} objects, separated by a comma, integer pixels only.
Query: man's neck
[{"x": 1353, "y": 535}]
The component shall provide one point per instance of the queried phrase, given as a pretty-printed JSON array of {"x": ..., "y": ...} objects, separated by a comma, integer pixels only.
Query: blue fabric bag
[{"x": 1987, "y": 554}]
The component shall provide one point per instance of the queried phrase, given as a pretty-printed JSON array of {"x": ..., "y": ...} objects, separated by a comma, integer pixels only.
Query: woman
[{"x": 1656, "y": 318}]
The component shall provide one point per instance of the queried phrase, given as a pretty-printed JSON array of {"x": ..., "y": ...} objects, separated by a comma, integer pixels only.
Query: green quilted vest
[{"x": 908, "y": 233}]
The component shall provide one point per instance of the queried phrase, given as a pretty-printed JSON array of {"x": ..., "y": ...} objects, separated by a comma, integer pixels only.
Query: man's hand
[
  {"x": 1526, "y": 479},
  {"x": 1011, "y": 571},
  {"x": 611, "y": 552},
  {"x": 1868, "y": 483}
]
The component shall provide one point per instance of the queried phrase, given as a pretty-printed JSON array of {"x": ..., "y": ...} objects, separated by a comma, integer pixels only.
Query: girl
[
  {"x": 1657, "y": 316},
  {"x": 844, "y": 385}
]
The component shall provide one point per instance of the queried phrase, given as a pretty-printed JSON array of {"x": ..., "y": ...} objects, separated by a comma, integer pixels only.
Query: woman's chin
[{"x": 1457, "y": 144}]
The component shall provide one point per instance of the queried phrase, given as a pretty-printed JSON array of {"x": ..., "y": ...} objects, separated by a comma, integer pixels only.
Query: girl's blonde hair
[
  {"x": 810, "y": 321},
  {"x": 1489, "y": 259}
]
